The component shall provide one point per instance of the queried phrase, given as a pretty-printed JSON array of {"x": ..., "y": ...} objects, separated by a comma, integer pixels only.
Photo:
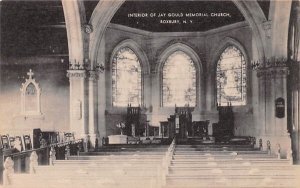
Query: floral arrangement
[{"x": 121, "y": 126}]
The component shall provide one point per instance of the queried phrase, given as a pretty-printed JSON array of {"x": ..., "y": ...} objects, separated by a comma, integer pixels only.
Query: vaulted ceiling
[
  {"x": 206, "y": 15},
  {"x": 30, "y": 28}
]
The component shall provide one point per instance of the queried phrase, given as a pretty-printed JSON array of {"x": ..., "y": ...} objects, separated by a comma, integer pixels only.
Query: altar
[{"x": 117, "y": 139}]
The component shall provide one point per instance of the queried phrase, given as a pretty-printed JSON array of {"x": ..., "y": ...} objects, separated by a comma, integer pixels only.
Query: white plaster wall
[{"x": 54, "y": 86}]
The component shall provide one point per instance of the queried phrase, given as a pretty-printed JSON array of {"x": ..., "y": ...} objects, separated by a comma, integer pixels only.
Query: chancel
[{"x": 165, "y": 94}]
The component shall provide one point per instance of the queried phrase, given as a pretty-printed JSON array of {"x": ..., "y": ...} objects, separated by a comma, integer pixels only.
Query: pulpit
[
  {"x": 225, "y": 126},
  {"x": 179, "y": 124},
  {"x": 199, "y": 129},
  {"x": 133, "y": 125},
  {"x": 184, "y": 115},
  {"x": 168, "y": 128}
]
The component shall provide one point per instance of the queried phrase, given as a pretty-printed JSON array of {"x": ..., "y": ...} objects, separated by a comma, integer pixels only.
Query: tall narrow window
[
  {"x": 126, "y": 78},
  {"x": 30, "y": 98},
  {"x": 179, "y": 80},
  {"x": 231, "y": 77}
]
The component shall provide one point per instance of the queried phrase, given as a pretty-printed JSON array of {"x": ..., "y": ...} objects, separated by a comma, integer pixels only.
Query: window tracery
[
  {"x": 179, "y": 80},
  {"x": 30, "y": 97},
  {"x": 126, "y": 78},
  {"x": 231, "y": 77}
]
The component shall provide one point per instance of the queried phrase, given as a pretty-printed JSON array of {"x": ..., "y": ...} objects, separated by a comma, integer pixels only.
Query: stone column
[
  {"x": 156, "y": 96},
  {"x": 93, "y": 111},
  {"x": 155, "y": 100},
  {"x": 272, "y": 85},
  {"x": 147, "y": 94},
  {"x": 101, "y": 106},
  {"x": 147, "y": 90},
  {"x": 78, "y": 106},
  {"x": 280, "y": 78},
  {"x": 210, "y": 92},
  {"x": 269, "y": 104},
  {"x": 260, "y": 106},
  {"x": 103, "y": 88}
]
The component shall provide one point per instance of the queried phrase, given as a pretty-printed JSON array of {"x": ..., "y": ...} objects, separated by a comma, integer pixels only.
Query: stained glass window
[
  {"x": 31, "y": 98},
  {"x": 126, "y": 78},
  {"x": 179, "y": 80},
  {"x": 231, "y": 78}
]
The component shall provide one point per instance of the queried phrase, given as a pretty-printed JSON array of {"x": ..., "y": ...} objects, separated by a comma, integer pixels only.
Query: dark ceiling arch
[{"x": 105, "y": 10}]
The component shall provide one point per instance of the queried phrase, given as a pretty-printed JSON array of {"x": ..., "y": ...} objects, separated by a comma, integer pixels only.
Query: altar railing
[{"x": 25, "y": 161}]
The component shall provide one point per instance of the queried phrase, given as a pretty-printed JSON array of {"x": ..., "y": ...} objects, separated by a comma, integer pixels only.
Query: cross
[{"x": 30, "y": 74}]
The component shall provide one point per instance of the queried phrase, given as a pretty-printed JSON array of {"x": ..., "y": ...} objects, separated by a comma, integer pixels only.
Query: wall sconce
[
  {"x": 269, "y": 63},
  {"x": 76, "y": 65}
]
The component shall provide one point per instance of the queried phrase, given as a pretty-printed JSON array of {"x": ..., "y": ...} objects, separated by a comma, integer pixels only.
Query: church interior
[{"x": 115, "y": 93}]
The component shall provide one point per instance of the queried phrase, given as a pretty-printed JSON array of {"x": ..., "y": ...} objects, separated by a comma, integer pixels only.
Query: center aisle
[{"x": 228, "y": 166}]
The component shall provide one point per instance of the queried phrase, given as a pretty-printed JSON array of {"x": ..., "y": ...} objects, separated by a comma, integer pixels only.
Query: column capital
[
  {"x": 76, "y": 74},
  {"x": 273, "y": 72},
  {"x": 93, "y": 75},
  {"x": 271, "y": 68},
  {"x": 267, "y": 25}
]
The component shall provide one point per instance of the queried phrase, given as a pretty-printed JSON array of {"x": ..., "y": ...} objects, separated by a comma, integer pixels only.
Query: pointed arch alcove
[{"x": 30, "y": 97}]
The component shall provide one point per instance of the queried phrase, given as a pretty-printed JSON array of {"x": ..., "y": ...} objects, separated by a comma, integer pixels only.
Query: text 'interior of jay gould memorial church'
[{"x": 150, "y": 93}]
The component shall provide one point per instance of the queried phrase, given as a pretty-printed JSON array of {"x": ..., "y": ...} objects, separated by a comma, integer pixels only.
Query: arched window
[
  {"x": 30, "y": 97},
  {"x": 126, "y": 78},
  {"x": 231, "y": 77},
  {"x": 179, "y": 80}
]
